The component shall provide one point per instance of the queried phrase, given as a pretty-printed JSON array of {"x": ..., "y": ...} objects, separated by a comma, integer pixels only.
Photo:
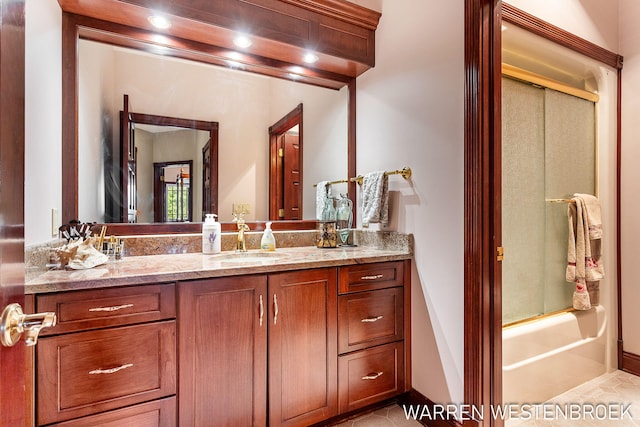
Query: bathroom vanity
[{"x": 294, "y": 337}]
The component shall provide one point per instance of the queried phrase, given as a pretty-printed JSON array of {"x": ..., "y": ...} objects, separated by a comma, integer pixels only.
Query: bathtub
[{"x": 544, "y": 358}]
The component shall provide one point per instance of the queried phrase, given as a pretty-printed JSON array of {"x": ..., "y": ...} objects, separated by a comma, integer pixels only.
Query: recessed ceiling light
[
  {"x": 159, "y": 21},
  {"x": 242, "y": 41},
  {"x": 234, "y": 64},
  {"x": 310, "y": 58},
  {"x": 296, "y": 70},
  {"x": 294, "y": 76}
]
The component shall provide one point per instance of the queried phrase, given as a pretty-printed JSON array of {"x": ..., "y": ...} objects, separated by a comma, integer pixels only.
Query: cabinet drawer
[
  {"x": 369, "y": 376},
  {"x": 91, "y": 372},
  {"x": 370, "y": 318},
  {"x": 158, "y": 413},
  {"x": 367, "y": 277},
  {"x": 99, "y": 308}
]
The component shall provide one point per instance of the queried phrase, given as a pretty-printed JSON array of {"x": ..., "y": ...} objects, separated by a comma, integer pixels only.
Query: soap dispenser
[
  {"x": 268, "y": 242},
  {"x": 211, "y": 235}
]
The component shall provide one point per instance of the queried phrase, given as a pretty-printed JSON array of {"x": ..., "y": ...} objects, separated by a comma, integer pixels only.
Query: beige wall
[
  {"x": 43, "y": 120},
  {"x": 630, "y": 173},
  {"x": 410, "y": 113}
]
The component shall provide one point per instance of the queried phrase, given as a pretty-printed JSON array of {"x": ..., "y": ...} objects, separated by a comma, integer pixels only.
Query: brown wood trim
[
  {"x": 416, "y": 399},
  {"x": 351, "y": 146},
  {"x": 123, "y": 229},
  {"x": 281, "y": 30},
  {"x": 564, "y": 38},
  {"x": 407, "y": 324},
  {"x": 631, "y": 363},
  {"x": 125, "y": 138},
  {"x": 69, "y": 119},
  {"x": 292, "y": 118},
  {"x": 17, "y": 389},
  {"x": 618, "y": 218},
  {"x": 482, "y": 336},
  {"x": 347, "y": 12}
]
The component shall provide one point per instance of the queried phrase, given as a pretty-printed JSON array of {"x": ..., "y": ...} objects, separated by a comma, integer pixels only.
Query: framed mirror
[{"x": 329, "y": 120}]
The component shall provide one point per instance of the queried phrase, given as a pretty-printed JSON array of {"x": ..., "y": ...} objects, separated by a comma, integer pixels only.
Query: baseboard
[
  {"x": 631, "y": 363},
  {"x": 417, "y": 400}
]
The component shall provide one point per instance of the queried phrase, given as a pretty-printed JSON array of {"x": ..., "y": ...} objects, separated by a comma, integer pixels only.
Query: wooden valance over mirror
[{"x": 110, "y": 49}]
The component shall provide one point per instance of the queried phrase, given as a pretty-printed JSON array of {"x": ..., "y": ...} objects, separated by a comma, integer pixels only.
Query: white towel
[
  {"x": 584, "y": 263},
  {"x": 594, "y": 267},
  {"x": 323, "y": 193},
  {"x": 375, "y": 198}
]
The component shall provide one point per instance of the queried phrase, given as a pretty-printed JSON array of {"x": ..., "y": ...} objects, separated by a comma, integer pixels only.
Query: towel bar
[
  {"x": 405, "y": 172},
  {"x": 560, "y": 200}
]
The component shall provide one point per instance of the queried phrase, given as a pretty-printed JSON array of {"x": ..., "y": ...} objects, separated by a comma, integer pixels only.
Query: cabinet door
[
  {"x": 89, "y": 372},
  {"x": 222, "y": 346},
  {"x": 302, "y": 347}
]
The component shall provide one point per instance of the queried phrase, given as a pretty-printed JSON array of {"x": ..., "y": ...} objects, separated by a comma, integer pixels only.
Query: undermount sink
[{"x": 247, "y": 257}]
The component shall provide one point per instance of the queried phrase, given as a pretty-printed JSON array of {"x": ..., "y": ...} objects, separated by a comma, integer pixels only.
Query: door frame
[
  {"x": 159, "y": 187},
  {"x": 483, "y": 287},
  {"x": 276, "y": 186},
  {"x": 16, "y": 401}
]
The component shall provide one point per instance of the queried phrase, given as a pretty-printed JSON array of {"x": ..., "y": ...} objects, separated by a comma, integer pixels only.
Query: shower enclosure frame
[{"x": 482, "y": 141}]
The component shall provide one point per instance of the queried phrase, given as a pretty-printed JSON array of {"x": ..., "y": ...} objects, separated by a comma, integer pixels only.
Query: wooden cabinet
[
  {"x": 302, "y": 347},
  {"x": 157, "y": 413},
  {"x": 222, "y": 325},
  {"x": 372, "y": 326},
  {"x": 279, "y": 349},
  {"x": 94, "y": 367},
  {"x": 223, "y": 328}
]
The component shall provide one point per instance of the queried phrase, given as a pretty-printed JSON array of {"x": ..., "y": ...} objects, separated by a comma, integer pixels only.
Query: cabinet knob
[{"x": 14, "y": 323}]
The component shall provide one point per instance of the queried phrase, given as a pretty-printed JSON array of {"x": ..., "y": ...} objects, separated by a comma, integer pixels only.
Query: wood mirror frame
[{"x": 82, "y": 21}]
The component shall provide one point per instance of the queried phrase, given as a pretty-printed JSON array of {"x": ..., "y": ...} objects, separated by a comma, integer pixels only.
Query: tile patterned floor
[
  {"x": 613, "y": 388},
  {"x": 617, "y": 387},
  {"x": 391, "y": 416}
]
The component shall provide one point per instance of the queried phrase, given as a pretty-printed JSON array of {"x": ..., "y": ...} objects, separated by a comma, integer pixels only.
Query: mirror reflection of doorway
[
  {"x": 150, "y": 139},
  {"x": 172, "y": 191},
  {"x": 285, "y": 170}
]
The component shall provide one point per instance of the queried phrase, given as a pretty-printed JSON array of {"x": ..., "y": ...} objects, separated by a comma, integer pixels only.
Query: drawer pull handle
[
  {"x": 372, "y": 376},
  {"x": 374, "y": 277},
  {"x": 261, "y": 310},
  {"x": 372, "y": 319},
  {"x": 113, "y": 308},
  {"x": 110, "y": 371},
  {"x": 275, "y": 309}
]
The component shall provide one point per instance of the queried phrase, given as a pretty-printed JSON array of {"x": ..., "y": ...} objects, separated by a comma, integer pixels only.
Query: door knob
[{"x": 14, "y": 323}]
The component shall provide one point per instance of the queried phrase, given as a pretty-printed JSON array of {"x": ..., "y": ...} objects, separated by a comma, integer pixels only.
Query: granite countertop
[{"x": 136, "y": 270}]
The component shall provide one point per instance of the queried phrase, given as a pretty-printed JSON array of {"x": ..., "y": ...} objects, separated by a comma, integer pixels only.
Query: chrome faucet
[{"x": 242, "y": 227}]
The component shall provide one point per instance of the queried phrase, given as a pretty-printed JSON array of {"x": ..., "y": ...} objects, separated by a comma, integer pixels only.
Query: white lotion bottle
[
  {"x": 268, "y": 242},
  {"x": 211, "y": 235}
]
